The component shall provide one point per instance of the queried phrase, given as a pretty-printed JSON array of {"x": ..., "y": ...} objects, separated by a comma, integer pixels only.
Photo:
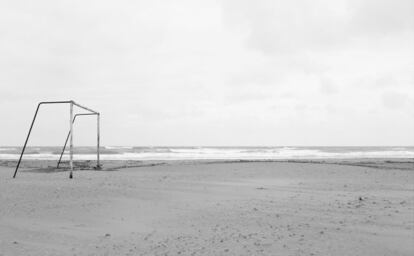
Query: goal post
[
  {"x": 70, "y": 135},
  {"x": 67, "y": 138}
]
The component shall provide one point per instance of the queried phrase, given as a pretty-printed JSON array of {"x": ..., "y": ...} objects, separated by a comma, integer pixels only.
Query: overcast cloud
[{"x": 231, "y": 72}]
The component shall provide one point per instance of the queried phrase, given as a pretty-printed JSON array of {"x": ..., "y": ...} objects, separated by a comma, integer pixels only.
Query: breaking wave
[{"x": 210, "y": 153}]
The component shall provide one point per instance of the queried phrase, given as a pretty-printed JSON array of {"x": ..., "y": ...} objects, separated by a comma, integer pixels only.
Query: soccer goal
[{"x": 69, "y": 137}]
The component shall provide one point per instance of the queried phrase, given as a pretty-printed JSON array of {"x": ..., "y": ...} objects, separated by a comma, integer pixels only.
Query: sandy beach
[{"x": 210, "y": 208}]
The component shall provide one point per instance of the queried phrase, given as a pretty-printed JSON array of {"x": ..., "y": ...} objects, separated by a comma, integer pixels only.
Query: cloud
[
  {"x": 282, "y": 27},
  {"x": 394, "y": 100},
  {"x": 327, "y": 86},
  {"x": 163, "y": 70},
  {"x": 382, "y": 17}
]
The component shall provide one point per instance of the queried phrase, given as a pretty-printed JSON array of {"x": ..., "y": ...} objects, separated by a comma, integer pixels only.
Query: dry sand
[{"x": 246, "y": 208}]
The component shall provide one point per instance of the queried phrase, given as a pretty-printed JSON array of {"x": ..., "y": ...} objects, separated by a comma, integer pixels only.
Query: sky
[{"x": 210, "y": 73}]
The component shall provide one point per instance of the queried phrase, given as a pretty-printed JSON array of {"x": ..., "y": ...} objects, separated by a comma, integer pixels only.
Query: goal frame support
[
  {"x": 98, "y": 166},
  {"x": 70, "y": 135}
]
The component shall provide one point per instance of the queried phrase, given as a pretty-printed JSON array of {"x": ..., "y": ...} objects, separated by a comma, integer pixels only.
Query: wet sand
[{"x": 210, "y": 208}]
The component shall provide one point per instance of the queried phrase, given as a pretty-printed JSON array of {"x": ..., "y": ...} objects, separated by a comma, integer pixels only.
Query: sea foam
[{"x": 210, "y": 153}]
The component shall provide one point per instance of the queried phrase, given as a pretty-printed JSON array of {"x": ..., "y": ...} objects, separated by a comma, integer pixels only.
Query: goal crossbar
[{"x": 70, "y": 134}]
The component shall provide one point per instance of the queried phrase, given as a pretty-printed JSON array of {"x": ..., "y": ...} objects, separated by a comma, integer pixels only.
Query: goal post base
[{"x": 98, "y": 167}]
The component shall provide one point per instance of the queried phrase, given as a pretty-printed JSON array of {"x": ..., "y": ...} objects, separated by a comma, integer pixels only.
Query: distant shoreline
[
  {"x": 381, "y": 163},
  {"x": 210, "y": 153}
]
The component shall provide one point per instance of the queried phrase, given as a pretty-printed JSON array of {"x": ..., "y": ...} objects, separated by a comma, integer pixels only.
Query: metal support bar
[
  {"x": 88, "y": 109},
  {"x": 67, "y": 137},
  {"x": 71, "y": 141},
  {"x": 98, "y": 139}
]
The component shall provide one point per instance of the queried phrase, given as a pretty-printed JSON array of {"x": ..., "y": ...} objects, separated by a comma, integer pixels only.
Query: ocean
[{"x": 209, "y": 153}]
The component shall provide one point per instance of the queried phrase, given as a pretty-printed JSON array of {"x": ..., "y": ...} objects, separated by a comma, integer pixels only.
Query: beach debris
[
  {"x": 107, "y": 235},
  {"x": 97, "y": 168},
  {"x": 163, "y": 178},
  {"x": 261, "y": 188},
  {"x": 15, "y": 242},
  {"x": 361, "y": 199}
]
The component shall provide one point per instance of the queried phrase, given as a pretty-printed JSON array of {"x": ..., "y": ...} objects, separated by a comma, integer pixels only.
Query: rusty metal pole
[
  {"x": 98, "y": 165},
  {"x": 27, "y": 139},
  {"x": 63, "y": 150},
  {"x": 71, "y": 141}
]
